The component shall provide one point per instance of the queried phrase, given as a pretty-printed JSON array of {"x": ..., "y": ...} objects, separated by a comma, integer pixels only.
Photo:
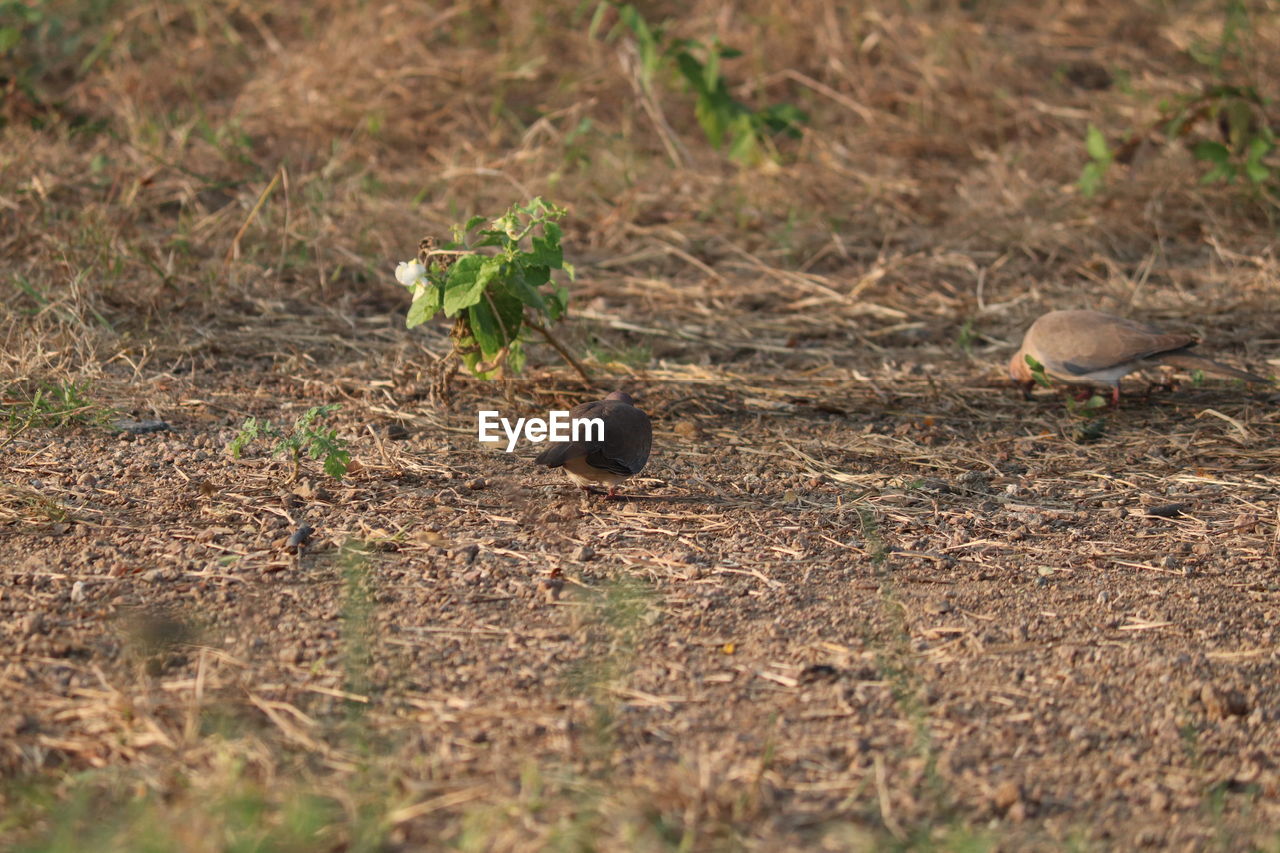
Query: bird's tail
[{"x": 1192, "y": 361}]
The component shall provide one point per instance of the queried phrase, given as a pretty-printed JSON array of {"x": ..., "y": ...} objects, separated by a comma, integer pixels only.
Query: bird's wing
[{"x": 1082, "y": 343}]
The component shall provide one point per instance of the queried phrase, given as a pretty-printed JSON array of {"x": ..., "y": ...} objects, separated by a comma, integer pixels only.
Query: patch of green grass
[
  {"x": 607, "y": 352},
  {"x": 115, "y": 811},
  {"x": 51, "y": 404},
  {"x": 357, "y": 620}
]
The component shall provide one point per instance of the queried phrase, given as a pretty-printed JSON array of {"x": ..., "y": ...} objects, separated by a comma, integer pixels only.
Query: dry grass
[{"x": 866, "y": 598}]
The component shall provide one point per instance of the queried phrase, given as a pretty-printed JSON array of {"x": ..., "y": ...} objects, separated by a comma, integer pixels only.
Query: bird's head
[
  {"x": 1019, "y": 371},
  {"x": 622, "y": 397}
]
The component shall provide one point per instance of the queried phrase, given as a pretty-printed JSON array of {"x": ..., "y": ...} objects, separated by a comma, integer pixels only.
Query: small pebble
[
  {"x": 1166, "y": 510},
  {"x": 141, "y": 427},
  {"x": 77, "y": 592},
  {"x": 584, "y": 553},
  {"x": 300, "y": 537},
  {"x": 1006, "y": 794}
]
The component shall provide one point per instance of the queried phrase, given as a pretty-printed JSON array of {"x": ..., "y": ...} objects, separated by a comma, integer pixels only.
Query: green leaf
[
  {"x": 525, "y": 284},
  {"x": 467, "y": 280},
  {"x": 515, "y": 357},
  {"x": 1037, "y": 372},
  {"x": 485, "y": 328},
  {"x": 558, "y": 302},
  {"x": 496, "y": 320},
  {"x": 546, "y": 251},
  {"x": 474, "y": 222},
  {"x": 1090, "y": 179},
  {"x": 1220, "y": 172},
  {"x": 785, "y": 119},
  {"x": 536, "y": 275},
  {"x": 1096, "y": 145},
  {"x": 335, "y": 464},
  {"x": 9, "y": 36},
  {"x": 1253, "y": 166},
  {"x": 744, "y": 143},
  {"x": 1212, "y": 152},
  {"x": 491, "y": 238},
  {"x": 510, "y": 310},
  {"x": 424, "y": 307}
]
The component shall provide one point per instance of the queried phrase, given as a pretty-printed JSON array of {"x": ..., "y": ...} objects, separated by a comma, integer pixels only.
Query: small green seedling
[
  {"x": 304, "y": 438},
  {"x": 496, "y": 283},
  {"x": 1087, "y": 408},
  {"x": 53, "y": 404},
  {"x": 1100, "y": 158}
]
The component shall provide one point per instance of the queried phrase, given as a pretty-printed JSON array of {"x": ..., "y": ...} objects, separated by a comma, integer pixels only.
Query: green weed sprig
[
  {"x": 748, "y": 133},
  {"x": 305, "y": 438},
  {"x": 496, "y": 282},
  {"x": 1223, "y": 107}
]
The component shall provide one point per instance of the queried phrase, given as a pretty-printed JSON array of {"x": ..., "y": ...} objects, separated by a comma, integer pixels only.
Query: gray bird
[
  {"x": 621, "y": 453},
  {"x": 1092, "y": 348}
]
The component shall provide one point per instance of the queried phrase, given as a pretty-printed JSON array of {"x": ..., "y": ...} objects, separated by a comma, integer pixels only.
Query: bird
[
  {"x": 1092, "y": 348},
  {"x": 621, "y": 453}
]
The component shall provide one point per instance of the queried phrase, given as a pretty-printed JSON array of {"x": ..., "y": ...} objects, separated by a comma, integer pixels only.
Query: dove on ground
[
  {"x": 621, "y": 453},
  {"x": 1092, "y": 348}
]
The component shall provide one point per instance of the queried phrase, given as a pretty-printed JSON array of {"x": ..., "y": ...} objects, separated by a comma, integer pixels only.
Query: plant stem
[
  {"x": 564, "y": 353},
  {"x": 30, "y": 419}
]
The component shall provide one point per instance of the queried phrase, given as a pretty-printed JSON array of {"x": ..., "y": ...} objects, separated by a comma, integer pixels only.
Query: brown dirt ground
[
  {"x": 863, "y": 597},
  {"x": 863, "y": 592}
]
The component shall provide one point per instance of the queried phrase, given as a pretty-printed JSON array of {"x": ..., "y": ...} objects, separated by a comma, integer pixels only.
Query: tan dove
[
  {"x": 1093, "y": 348},
  {"x": 622, "y": 452}
]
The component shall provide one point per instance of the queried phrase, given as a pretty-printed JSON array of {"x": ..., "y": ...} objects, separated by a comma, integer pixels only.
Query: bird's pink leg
[{"x": 1115, "y": 397}]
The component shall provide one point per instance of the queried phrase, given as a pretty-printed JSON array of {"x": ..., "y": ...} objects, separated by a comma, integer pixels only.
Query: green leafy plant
[
  {"x": 1224, "y": 122},
  {"x": 1247, "y": 139},
  {"x": 723, "y": 118},
  {"x": 495, "y": 280},
  {"x": 51, "y": 404},
  {"x": 305, "y": 438},
  {"x": 748, "y": 133},
  {"x": 1100, "y": 157}
]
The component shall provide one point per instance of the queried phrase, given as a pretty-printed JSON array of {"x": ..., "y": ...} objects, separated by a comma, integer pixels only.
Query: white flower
[{"x": 410, "y": 273}]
